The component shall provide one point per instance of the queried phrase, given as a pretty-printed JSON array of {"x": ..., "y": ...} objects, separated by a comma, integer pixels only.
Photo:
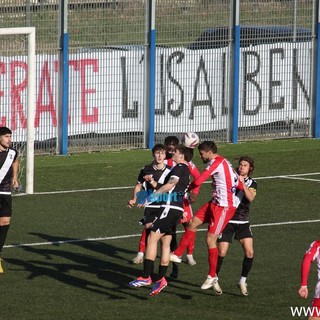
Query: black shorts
[
  {"x": 149, "y": 215},
  {"x": 167, "y": 220},
  {"x": 239, "y": 231},
  {"x": 5, "y": 205}
]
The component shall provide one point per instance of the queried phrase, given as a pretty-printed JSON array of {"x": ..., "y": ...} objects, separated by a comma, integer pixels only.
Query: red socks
[
  {"x": 213, "y": 260},
  {"x": 187, "y": 239},
  {"x": 142, "y": 243}
]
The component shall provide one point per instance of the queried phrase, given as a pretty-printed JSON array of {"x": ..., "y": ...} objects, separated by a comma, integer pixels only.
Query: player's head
[
  {"x": 180, "y": 153},
  {"x": 245, "y": 165},
  {"x": 188, "y": 155},
  {"x": 170, "y": 142},
  {"x": 159, "y": 153},
  {"x": 4, "y": 131},
  {"x": 208, "y": 146},
  {"x": 5, "y": 137},
  {"x": 207, "y": 150}
]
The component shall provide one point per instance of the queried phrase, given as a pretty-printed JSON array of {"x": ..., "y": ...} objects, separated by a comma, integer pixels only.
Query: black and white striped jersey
[{"x": 7, "y": 157}]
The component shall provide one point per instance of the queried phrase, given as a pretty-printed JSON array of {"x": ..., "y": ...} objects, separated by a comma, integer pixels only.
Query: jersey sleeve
[
  {"x": 204, "y": 175},
  {"x": 311, "y": 254},
  {"x": 254, "y": 185},
  {"x": 195, "y": 173},
  {"x": 140, "y": 177},
  {"x": 178, "y": 171}
]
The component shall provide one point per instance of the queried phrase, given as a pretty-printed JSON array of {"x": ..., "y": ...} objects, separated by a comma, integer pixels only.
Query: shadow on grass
[{"x": 105, "y": 272}]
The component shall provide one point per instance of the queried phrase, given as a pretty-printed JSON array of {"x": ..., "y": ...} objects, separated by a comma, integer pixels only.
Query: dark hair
[
  {"x": 4, "y": 131},
  {"x": 208, "y": 146},
  {"x": 171, "y": 140},
  {"x": 158, "y": 147},
  {"x": 188, "y": 155},
  {"x": 183, "y": 150},
  {"x": 249, "y": 160}
]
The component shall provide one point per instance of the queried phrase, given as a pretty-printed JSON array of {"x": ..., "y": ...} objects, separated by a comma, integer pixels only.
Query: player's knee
[
  {"x": 249, "y": 253},
  {"x": 211, "y": 240},
  {"x": 4, "y": 221},
  {"x": 222, "y": 252}
]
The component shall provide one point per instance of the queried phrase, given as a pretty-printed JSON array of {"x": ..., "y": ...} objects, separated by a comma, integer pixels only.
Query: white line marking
[
  {"x": 303, "y": 179},
  {"x": 138, "y": 235},
  {"x": 288, "y": 175}
]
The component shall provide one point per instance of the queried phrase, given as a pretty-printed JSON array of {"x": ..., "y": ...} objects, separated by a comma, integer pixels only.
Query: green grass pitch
[{"x": 69, "y": 249}]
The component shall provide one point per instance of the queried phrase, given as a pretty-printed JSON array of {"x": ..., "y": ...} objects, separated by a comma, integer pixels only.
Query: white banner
[{"x": 106, "y": 90}]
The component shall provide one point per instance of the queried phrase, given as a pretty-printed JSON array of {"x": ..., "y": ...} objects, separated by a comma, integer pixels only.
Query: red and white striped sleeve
[
  {"x": 311, "y": 254},
  {"x": 195, "y": 173}
]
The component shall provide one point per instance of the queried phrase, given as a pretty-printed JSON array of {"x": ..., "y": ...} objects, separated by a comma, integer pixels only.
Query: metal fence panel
[
  {"x": 108, "y": 69},
  {"x": 276, "y": 73},
  {"x": 192, "y": 80},
  {"x": 107, "y": 47}
]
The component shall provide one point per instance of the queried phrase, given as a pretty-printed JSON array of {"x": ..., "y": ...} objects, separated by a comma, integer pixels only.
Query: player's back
[{"x": 224, "y": 182}]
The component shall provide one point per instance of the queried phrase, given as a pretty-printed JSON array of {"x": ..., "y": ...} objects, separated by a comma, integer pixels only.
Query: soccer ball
[{"x": 190, "y": 140}]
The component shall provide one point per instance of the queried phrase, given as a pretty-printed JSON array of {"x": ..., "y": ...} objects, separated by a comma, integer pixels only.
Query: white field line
[
  {"x": 290, "y": 176},
  {"x": 304, "y": 179},
  {"x": 35, "y": 244}
]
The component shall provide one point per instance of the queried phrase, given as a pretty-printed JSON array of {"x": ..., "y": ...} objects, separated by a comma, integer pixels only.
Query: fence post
[
  {"x": 235, "y": 66},
  {"x": 150, "y": 75},
  {"x": 62, "y": 141},
  {"x": 316, "y": 118}
]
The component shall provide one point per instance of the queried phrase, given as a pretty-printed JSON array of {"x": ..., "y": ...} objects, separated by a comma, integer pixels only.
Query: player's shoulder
[
  {"x": 218, "y": 159},
  {"x": 10, "y": 150},
  {"x": 181, "y": 167},
  {"x": 191, "y": 165},
  {"x": 314, "y": 246},
  {"x": 316, "y": 243},
  {"x": 252, "y": 183},
  {"x": 148, "y": 166}
]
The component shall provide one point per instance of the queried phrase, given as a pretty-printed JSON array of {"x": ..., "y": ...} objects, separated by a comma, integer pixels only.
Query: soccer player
[
  {"x": 9, "y": 167},
  {"x": 217, "y": 212},
  {"x": 239, "y": 226},
  {"x": 170, "y": 143},
  {"x": 156, "y": 171},
  {"x": 312, "y": 254},
  {"x": 167, "y": 203},
  {"x": 187, "y": 201}
]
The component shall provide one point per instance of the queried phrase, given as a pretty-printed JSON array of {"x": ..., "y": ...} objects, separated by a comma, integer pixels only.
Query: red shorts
[
  {"x": 217, "y": 217},
  {"x": 187, "y": 211},
  {"x": 315, "y": 308}
]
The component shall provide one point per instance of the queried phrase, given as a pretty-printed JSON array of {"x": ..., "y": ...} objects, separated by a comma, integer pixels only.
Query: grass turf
[{"x": 78, "y": 279}]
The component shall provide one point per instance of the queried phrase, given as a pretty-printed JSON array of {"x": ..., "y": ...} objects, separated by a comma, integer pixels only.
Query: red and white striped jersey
[
  {"x": 312, "y": 254},
  {"x": 195, "y": 173},
  {"x": 169, "y": 162},
  {"x": 224, "y": 181}
]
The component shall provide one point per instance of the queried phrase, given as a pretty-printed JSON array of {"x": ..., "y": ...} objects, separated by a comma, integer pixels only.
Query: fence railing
[{"x": 124, "y": 74}]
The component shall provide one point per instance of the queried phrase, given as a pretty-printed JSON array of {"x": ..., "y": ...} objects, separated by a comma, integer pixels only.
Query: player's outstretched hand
[{"x": 303, "y": 292}]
